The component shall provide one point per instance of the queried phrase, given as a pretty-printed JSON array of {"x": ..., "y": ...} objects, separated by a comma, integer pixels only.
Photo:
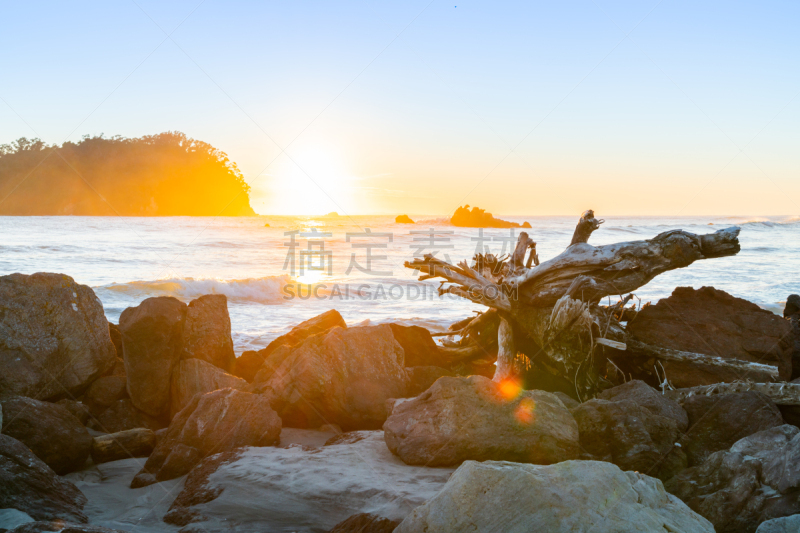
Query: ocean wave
[
  {"x": 767, "y": 222},
  {"x": 268, "y": 289}
]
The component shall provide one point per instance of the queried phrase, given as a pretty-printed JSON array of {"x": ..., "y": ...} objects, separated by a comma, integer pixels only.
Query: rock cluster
[
  {"x": 479, "y": 218},
  {"x": 260, "y": 438}
]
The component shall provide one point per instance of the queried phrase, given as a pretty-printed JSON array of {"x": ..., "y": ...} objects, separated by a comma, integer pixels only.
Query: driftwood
[
  {"x": 756, "y": 371},
  {"x": 552, "y": 308},
  {"x": 780, "y": 393}
]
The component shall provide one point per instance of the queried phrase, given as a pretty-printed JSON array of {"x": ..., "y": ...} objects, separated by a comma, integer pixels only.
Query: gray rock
[
  {"x": 59, "y": 526},
  {"x": 54, "y": 337},
  {"x": 214, "y": 422},
  {"x": 104, "y": 392},
  {"x": 77, "y": 409},
  {"x": 649, "y": 398},
  {"x": 207, "y": 331},
  {"x": 11, "y": 518},
  {"x": 195, "y": 376},
  {"x": 420, "y": 378},
  {"x": 340, "y": 377},
  {"x": 122, "y": 415},
  {"x": 630, "y": 436},
  {"x": 787, "y": 524},
  {"x": 573, "y": 496},
  {"x": 152, "y": 343},
  {"x": 568, "y": 401},
  {"x": 29, "y": 485},
  {"x": 471, "y": 418},
  {"x": 716, "y": 422},
  {"x": 49, "y": 430}
]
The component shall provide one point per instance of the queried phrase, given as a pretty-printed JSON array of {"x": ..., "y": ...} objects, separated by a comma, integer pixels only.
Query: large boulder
[
  {"x": 365, "y": 523},
  {"x": 630, "y": 436},
  {"x": 420, "y": 378},
  {"x": 214, "y": 422},
  {"x": 308, "y": 487},
  {"x": 207, "y": 331},
  {"x": 418, "y": 346},
  {"x": 29, "y": 485},
  {"x": 458, "y": 419},
  {"x": 570, "y": 496},
  {"x": 716, "y": 422},
  {"x": 712, "y": 322},
  {"x": 756, "y": 480},
  {"x": 122, "y": 415},
  {"x": 152, "y": 343},
  {"x": 787, "y": 524},
  {"x": 195, "y": 376},
  {"x": 249, "y": 363},
  {"x": 643, "y": 394},
  {"x": 340, "y": 377},
  {"x": 54, "y": 337},
  {"x": 77, "y": 409},
  {"x": 49, "y": 430}
]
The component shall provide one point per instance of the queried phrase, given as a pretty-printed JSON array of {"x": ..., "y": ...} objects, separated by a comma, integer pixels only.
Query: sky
[{"x": 522, "y": 108}]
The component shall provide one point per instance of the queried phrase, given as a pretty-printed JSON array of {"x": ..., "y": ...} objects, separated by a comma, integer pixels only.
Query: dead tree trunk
[{"x": 555, "y": 303}]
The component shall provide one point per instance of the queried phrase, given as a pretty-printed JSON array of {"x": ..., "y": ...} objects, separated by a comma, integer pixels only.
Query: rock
[
  {"x": 77, "y": 409},
  {"x": 756, "y": 480},
  {"x": 54, "y": 337},
  {"x": 197, "y": 490},
  {"x": 29, "y": 485},
  {"x": 247, "y": 364},
  {"x": 313, "y": 326},
  {"x": 207, "y": 331},
  {"x": 152, "y": 344},
  {"x": 302, "y": 488},
  {"x": 420, "y": 378},
  {"x": 366, "y": 522},
  {"x": 121, "y": 416},
  {"x": 479, "y": 218},
  {"x": 419, "y": 347},
  {"x": 61, "y": 527},
  {"x": 715, "y": 423},
  {"x": 787, "y": 524},
  {"x": 137, "y": 442},
  {"x": 570, "y": 496},
  {"x": 568, "y": 401},
  {"x": 712, "y": 322},
  {"x": 116, "y": 338},
  {"x": 630, "y": 436},
  {"x": 340, "y": 377},
  {"x": 49, "y": 430},
  {"x": 104, "y": 392},
  {"x": 11, "y": 518},
  {"x": 649, "y": 398},
  {"x": 470, "y": 418},
  {"x": 195, "y": 376},
  {"x": 792, "y": 307},
  {"x": 403, "y": 219},
  {"x": 214, "y": 422}
]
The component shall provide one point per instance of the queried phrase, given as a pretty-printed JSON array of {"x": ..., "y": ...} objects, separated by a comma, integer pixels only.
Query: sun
[{"x": 313, "y": 180}]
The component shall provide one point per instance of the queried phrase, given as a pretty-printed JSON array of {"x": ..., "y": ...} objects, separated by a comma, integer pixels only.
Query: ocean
[{"x": 352, "y": 264}]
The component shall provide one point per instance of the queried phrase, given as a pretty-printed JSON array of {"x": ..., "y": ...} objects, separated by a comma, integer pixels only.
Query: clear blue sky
[{"x": 418, "y": 106}]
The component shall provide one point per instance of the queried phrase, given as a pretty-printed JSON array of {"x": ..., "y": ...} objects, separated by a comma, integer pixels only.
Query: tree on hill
[{"x": 168, "y": 174}]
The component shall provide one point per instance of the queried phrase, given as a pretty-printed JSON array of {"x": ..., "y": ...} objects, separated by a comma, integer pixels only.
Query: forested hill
[{"x": 167, "y": 174}]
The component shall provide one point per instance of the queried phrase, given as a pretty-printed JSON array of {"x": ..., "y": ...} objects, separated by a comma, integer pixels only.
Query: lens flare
[
  {"x": 510, "y": 388},
  {"x": 525, "y": 411}
]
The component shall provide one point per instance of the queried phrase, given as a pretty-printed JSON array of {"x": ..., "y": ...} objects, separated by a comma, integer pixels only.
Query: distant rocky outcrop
[
  {"x": 479, "y": 218},
  {"x": 54, "y": 337},
  {"x": 569, "y": 496},
  {"x": 168, "y": 174},
  {"x": 403, "y": 219},
  {"x": 458, "y": 419}
]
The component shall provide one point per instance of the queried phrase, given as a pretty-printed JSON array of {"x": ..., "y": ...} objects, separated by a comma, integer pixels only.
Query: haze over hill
[{"x": 168, "y": 174}]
